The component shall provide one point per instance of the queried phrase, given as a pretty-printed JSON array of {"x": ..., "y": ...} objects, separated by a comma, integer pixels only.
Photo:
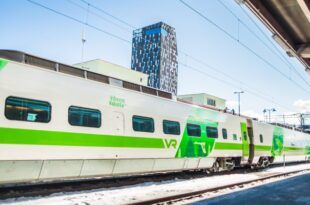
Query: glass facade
[{"x": 154, "y": 52}]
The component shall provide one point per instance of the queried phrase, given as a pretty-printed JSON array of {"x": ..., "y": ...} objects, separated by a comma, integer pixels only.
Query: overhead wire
[
  {"x": 126, "y": 23},
  {"x": 242, "y": 44},
  {"x": 224, "y": 74},
  {"x": 275, "y": 51},
  {"x": 79, "y": 21},
  {"x": 276, "y": 48},
  {"x": 126, "y": 41},
  {"x": 266, "y": 99},
  {"x": 97, "y": 15},
  {"x": 108, "y": 14},
  {"x": 195, "y": 59}
]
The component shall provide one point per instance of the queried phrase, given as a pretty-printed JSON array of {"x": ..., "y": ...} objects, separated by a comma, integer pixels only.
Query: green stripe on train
[
  {"x": 42, "y": 137},
  {"x": 262, "y": 148},
  {"x": 236, "y": 146},
  {"x": 3, "y": 63},
  {"x": 307, "y": 151},
  {"x": 293, "y": 149},
  {"x": 228, "y": 146}
]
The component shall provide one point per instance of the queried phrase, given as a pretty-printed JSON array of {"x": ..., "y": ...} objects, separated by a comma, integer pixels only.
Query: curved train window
[
  {"x": 261, "y": 139},
  {"x": 212, "y": 132},
  {"x": 142, "y": 124},
  {"x": 193, "y": 130},
  {"x": 235, "y": 137},
  {"x": 171, "y": 127},
  {"x": 27, "y": 110},
  {"x": 224, "y": 133},
  {"x": 85, "y": 117},
  {"x": 244, "y": 136}
]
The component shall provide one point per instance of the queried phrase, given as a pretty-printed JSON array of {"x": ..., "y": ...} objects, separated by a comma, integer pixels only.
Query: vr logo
[{"x": 170, "y": 143}]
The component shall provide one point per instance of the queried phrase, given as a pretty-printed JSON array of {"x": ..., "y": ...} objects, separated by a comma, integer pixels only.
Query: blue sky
[{"x": 32, "y": 29}]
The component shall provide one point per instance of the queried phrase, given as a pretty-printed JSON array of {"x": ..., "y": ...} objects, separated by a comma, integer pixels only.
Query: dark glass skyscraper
[{"x": 154, "y": 52}]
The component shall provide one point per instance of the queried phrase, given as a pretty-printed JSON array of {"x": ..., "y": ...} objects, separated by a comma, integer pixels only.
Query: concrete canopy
[{"x": 289, "y": 21}]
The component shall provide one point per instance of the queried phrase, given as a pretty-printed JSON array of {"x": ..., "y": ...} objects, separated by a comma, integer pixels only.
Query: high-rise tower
[{"x": 154, "y": 52}]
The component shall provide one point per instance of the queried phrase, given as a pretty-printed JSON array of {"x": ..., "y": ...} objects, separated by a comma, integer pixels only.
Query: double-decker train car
[{"x": 60, "y": 122}]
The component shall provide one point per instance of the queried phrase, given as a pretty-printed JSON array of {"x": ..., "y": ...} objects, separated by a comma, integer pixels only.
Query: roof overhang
[{"x": 289, "y": 21}]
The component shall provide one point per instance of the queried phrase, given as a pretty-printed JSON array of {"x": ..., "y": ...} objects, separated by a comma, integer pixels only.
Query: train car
[{"x": 60, "y": 122}]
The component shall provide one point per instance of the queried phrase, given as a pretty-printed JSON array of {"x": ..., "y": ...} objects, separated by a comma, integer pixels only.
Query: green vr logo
[{"x": 170, "y": 143}]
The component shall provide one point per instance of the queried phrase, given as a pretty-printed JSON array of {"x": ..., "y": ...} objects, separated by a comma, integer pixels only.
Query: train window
[
  {"x": 27, "y": 110},
  {"x": 261, "y": 139},
  {"x": 244, "y": 136},
  {"x": 224, "y": 133},
  {"x": 85, "y": 117},
  {"x": 212, "y": 132},
  {"x": 234, "y": 136},
  {"x": 142, "y": 124},
  {"x": 193, "y": 130},
  {"x": 171, "y": 127}
]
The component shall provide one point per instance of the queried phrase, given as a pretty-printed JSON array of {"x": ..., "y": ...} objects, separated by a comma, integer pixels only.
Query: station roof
[{"x": 289, "y": 21}]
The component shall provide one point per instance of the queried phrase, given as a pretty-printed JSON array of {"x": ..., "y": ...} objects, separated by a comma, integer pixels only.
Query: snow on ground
[
  {"x": 246, "y": 186},
  {"x": 150, "y": 190}
]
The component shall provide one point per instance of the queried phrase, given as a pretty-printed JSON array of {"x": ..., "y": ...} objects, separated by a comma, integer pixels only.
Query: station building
[
  {"x": 154, "y": 52},
  {"x": 204, "y": 99},
  {"x": 114, "y": 71}
]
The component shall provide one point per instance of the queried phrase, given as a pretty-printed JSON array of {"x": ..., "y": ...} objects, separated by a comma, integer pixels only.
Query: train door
[
  {"x": 118, "y": 123},
  {"x": 245, "y": 140},
  {"x": 251, "y": 140}
]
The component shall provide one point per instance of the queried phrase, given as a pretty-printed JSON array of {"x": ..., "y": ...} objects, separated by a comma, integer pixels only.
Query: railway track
[
  {"x": 45, "y": 189},
  {"x": 190, "y": 195}
]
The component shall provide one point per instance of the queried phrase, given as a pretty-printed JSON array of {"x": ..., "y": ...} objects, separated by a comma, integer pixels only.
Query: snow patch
[{"x": 150, "y": 190}]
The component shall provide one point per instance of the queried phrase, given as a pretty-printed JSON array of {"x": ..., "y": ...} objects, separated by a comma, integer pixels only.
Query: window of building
[
  {"x": 234, "y": 136},
  {"x": 193, "y": 130},
  {"x": 171, "y": 127},
  {"x": 142, "y": 124},
  {"x": 211, "y": 102},
  {"x": 261, "y": 139},
  {"x": 224, "y": 133},
  {"x": 27, "y": 110},
  {"x": 212, "y": 132},
  {"x": 85, "y": 117}
]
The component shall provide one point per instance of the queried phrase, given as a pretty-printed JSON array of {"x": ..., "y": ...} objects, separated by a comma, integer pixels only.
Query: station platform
[{"x": 291, "y": 191}]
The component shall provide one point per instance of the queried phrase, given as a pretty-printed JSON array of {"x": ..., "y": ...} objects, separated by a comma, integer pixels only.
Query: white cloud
[{"x": 302, "y": 105}]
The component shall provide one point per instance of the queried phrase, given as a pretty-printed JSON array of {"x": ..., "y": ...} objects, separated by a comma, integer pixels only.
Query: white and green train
[{"x": 60, "y": 122}]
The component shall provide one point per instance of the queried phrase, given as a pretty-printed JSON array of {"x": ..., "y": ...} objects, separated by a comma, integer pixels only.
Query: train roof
[{"x": 26, "y": 58}]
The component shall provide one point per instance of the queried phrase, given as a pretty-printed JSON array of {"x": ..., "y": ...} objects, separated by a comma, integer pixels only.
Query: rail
[{"x": 183, "y": 196}]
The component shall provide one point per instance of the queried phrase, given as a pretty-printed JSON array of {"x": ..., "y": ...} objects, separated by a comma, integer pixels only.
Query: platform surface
[{"x": 292, "y": 191}]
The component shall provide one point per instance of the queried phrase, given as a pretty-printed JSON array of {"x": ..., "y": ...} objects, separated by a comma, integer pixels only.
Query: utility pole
[
  {"x": 302, "y": 120},
  {"x": 83, "y": 44},
  {"x": 238, "y": 93},
  {"x": 83, "y": 38},
  {"x": 269, "y": 112}
]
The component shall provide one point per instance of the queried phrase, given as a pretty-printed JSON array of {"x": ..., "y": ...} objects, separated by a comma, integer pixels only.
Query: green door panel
[
  {"x": 198, "y": 146},
  {"x": 245, "y": 139},
  {"x": 3, "y": 63},
  {"x": 277, "y": 142}
]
